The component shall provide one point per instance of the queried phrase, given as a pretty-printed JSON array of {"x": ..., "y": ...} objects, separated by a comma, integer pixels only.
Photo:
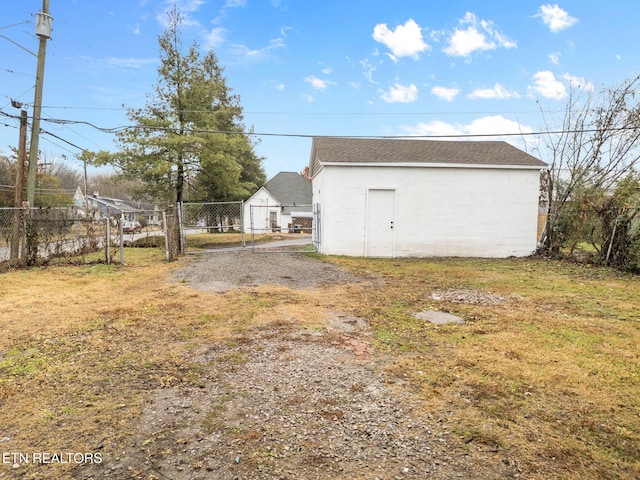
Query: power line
[
  {"x": 244, "y": 112},
  {"x": 43, "y": 190},
  {"x": 15, "y": 24},
  {"x": 63, "y": 140},
  {"x": 295, "y": 135},
  {"x": 121, "y": 128},
  {"x": 82, "y": 136},
  {"x": 52, "y": 107}
]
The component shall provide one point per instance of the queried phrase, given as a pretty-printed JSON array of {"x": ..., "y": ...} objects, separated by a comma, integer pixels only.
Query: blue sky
[{"x": 308, "y": 67}]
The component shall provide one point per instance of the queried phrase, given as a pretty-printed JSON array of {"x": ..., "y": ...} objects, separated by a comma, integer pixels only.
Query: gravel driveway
[
  {"x": 223, "y": 271},
  {"x": 287, "y": 403}
]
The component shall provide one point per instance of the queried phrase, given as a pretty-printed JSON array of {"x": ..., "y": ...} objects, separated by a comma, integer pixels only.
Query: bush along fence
[{"x": 34, "y": 236}]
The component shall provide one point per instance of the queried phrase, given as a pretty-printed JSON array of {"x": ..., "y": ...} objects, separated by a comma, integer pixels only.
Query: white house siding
[
  {"x": 264, "y": 204},
  {"x": 439, "y": 211}
]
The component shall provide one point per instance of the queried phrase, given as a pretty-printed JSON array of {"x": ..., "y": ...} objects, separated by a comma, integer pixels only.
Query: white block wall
[{"x": 440, "y": 211}]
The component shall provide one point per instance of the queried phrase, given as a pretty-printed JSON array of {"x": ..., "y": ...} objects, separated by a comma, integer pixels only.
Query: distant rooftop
[{"x": 290, "y": 188}]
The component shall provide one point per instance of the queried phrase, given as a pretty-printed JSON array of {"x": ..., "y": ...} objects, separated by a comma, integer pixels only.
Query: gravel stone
[{"x": 285, "y": 403}]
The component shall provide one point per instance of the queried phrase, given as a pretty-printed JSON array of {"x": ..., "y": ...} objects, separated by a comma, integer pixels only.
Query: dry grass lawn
[{"x": 549, "y": 377}]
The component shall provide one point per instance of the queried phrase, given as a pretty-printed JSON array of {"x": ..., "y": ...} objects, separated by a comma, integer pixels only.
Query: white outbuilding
[
  {"x": 423, "y": 198},
  {"x": 283, "y": 204}
]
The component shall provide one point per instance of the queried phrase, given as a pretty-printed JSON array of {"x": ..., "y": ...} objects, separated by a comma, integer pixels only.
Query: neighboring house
[
  {"x": 419, "y": 198},
  {"x": 283, "y": 204},
  {"x": 145, "y": 213}
]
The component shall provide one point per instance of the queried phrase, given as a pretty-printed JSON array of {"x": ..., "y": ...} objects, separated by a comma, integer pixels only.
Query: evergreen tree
[
  {"x": 7, "y": 181},
  {"x": 189, "y": 137}
]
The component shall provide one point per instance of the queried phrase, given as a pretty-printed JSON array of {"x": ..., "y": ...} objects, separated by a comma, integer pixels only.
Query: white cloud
[
  {"x": 134, "y": 29},
  {"x": 235, "y": 3},
  {"x": 479, "y": 35},
  {"x": 215, "y": 38},
  {"x": 257, "y": 54},
  {"x": 405, "y": 41},
  {"x": 280, "y": 87},
  {"x": 318, "y": 83},
  {"x": 555, "y": 58},
  {"x": 547, "y": 85},
  {"x": 184, "y": 7},
  {"x": 284, "y": 30},
  {"x": 578, "y": 82},
  {"x": 496, "y": 124},
  {"x": 400, "y": 94},
  {"x": 433, "y": 128},
  {"x": 444, "y": 93},
  {"x": 130, "y": 63},
  {"x": 369, "y": 69},
  {"x": 498, "y": 91},
  {"x": 485, "y": 126},
  {"x": 555, "y": 17},
  {"x": 327, "y": 70}
]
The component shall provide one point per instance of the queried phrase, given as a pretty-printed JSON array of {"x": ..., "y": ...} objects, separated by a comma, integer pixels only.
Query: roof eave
[{"x": 435, "y": 165}]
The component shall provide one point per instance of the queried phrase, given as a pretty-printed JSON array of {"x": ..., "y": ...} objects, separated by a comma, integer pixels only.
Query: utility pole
[
  {"x": 43, "y": 31},
  {"x": 19, "y": 195},
  {"x": 22, "y": 157}
]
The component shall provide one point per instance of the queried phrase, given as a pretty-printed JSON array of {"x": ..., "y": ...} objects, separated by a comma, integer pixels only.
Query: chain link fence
[
  {"x": 211, "y": 226},
  {"x": 30, "y": 236},
  {"x": 33, "y": 236}
]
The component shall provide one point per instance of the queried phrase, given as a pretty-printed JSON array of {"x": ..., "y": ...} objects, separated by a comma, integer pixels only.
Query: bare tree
[{"x": 598, "y": 145}]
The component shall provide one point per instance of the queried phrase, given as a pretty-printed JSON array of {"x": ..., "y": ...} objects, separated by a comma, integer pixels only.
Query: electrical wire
[
  {"x": 122, "y": 128},
  {"x": 245, "y": 112},
  {"x": 296, "y": 135}
]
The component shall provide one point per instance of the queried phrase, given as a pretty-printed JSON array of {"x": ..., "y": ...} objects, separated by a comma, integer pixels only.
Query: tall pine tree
[{"x": 188, "y": 141}]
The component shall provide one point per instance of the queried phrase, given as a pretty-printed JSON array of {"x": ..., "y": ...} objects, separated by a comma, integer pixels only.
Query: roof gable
[
  {"x": 395, "y": 151},
  {"x": 289, "y": 188}
]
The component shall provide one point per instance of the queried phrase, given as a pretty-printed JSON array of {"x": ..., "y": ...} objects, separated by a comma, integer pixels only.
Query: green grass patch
[{"x": 21, "y": 362}]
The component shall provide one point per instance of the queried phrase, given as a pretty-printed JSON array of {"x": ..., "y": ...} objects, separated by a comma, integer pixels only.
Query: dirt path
[{"x": 285, "y": 402}]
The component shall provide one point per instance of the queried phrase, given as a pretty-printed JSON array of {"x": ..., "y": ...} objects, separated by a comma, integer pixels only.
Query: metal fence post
[
  {"x": 181, "y": 232},
  {"x": 165, "y": 229},
  {"x": 108, "y": 246},
  {"x": 242, "y": 229},
  {"x": 121, "y": 233}
]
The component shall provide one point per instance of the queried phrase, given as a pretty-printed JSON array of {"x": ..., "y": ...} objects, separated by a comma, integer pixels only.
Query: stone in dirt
[{"x": 439, "y": 318}]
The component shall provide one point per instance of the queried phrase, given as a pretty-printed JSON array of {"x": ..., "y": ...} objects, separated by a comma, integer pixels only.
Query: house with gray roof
[
  {"x": 424, "y": 198},
  {"x": 283, "y": 204},
  {"x": 103, "y": 207}
]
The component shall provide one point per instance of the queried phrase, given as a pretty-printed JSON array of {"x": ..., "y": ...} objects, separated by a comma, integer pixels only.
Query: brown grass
[{"x": 547, "y": 380}]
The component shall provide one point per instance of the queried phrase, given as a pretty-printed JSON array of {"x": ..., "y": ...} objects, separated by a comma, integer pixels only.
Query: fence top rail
[
  {"x": 286, "y": 205},
  {"x": 211, "y": 203},
  {"x": 68, "y": 207}
]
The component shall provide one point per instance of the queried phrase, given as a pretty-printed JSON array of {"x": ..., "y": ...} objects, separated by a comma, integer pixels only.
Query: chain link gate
[
  {"x": 211, "y": 226},
  {"x": 282, "y": 228}
]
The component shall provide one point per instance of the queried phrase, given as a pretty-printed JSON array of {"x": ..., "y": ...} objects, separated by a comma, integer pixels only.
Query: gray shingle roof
[
  {"x": 289, "y": 188},
  {"x": 389, "y": 151}
]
